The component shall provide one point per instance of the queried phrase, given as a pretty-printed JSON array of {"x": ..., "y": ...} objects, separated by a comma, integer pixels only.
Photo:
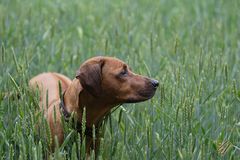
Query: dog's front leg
[{"x": 92, "y": 145}]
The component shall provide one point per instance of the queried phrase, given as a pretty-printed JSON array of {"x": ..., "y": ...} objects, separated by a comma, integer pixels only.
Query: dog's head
[{"x": 112, "y": 79}]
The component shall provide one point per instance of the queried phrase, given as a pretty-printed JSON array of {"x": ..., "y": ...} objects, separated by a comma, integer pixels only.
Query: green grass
[{"x": 192, "y": 47}]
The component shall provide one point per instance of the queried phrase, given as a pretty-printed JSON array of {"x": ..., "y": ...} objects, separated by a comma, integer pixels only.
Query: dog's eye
[{"x": 123, "y": 72}]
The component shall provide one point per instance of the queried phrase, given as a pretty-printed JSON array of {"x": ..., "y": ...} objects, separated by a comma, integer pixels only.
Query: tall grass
[{"x": 191, "y": 47}]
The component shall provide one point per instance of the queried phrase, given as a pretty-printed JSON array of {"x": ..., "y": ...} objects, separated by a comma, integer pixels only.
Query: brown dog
[{"x": 100, "y": 84}]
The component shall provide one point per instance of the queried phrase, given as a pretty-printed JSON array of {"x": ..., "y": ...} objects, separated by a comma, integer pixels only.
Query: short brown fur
[{"x": 100, "y": 84}]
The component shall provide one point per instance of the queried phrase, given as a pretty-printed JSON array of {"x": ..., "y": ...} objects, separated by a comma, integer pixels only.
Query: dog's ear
[{"x": 90, "y": 76}]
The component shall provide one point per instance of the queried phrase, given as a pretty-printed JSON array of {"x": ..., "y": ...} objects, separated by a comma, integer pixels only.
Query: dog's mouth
[
  {"x": 141, "y": 89},
  {"x": 147, "y": 93},
  {"x": 142, "y": 95}
]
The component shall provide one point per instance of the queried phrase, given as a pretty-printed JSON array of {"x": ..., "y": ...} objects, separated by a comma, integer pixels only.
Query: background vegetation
[{"x": 192, "y": 47}]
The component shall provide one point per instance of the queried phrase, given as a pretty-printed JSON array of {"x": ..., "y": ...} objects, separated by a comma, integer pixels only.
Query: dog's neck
[{"x": 76, "y": 98}]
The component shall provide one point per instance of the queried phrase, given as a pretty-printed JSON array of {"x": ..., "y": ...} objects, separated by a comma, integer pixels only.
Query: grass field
[{"x": 191, "y": 46}]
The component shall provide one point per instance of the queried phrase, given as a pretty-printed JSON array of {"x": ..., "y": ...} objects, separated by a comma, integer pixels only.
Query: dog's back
[{"x": 49, "y": 82}]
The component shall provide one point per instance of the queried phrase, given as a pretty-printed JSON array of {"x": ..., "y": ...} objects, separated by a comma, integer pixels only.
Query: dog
[{"x": 101, "y": 83}]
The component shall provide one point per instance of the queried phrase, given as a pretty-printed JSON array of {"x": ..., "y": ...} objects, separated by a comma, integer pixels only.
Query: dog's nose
[{"x": 155, "y": 83}]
